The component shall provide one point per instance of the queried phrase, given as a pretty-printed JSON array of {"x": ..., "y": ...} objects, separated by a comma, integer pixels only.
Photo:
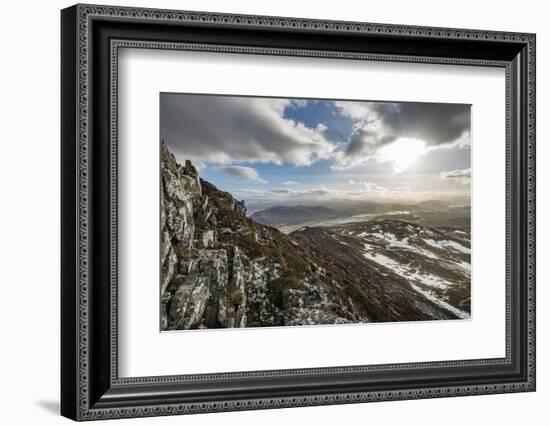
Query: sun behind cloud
[{"x": 402, "y": 153}]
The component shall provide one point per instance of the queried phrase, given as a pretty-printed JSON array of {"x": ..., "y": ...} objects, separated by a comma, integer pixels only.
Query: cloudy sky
[{"x": 271, "y": 151}]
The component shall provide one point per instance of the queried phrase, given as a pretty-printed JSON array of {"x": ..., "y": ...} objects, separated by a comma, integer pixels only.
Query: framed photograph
[{"x": 263, "y": 212}]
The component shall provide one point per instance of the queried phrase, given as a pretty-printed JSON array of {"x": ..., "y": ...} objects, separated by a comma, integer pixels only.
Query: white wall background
[{"x": 29, "y": 213}]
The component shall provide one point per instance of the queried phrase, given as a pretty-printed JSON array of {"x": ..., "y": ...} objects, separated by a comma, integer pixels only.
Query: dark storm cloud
[
  {"x": 435, "y": 124},
  {"x": 366, "y": 142},
  {"x": 363, "y": 145},
  {"x": 223, "y": 129},
  {"x": 380, "y": 123},
  {"x": 361, "y": 141}
]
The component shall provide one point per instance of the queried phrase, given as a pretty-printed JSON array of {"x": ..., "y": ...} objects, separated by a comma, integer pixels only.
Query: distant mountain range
[
  {"x": 431, "y": 213},
  {"x": 222, "y": 269},
  {"x": 291, "y": 215}
]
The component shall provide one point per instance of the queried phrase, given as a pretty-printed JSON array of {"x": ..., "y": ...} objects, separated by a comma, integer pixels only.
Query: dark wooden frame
[{"x": 91, "y": 37}]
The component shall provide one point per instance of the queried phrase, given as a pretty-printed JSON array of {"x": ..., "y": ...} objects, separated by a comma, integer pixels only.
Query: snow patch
[
  {"x": 430, "y": 295},
  {"x": 463, "y": 266},
  {"x": 387, "y": 262},
  {"x": 443, "y": 244},
  {"x": 394, "y": 242},
  {"x": 417, "y": 280}
]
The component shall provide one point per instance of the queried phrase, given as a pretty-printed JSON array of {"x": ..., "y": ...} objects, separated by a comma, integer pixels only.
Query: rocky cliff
[{"x": 222, "y": 269}]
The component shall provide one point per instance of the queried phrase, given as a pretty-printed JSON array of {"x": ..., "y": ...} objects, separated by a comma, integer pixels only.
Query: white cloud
[
  {"x": 364, "y": 186},
  {"x": 290, "y": 182},
  {"x": 463, "y": 176},
  {"x": 374, "y": 187},
  {"x": 357, "y": 110},
  {"x": 242, "y": 173},
  {"x": 358, "y": 190},
  {"x": 337, "y": 196},
  {"x": 225, "y": 129}
]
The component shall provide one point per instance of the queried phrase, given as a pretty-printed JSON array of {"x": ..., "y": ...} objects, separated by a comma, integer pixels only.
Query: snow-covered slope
[{"x": 435, "y": 263}]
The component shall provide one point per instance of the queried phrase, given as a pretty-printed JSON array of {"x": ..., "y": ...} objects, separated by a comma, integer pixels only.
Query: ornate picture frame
[{"x": 91, "y": 37}]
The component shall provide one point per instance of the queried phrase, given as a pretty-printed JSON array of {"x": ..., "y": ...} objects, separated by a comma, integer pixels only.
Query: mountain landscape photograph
[{"x": 300, "y": 212}]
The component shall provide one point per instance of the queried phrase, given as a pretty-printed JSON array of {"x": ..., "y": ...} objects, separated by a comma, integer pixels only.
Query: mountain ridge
[
  {"x": 434, "y": 213},
  {"x": 290, "y": 215}
]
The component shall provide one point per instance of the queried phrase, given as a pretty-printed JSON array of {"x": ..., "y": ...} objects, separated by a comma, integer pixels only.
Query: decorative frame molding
[{"x": 91, "y": 388}]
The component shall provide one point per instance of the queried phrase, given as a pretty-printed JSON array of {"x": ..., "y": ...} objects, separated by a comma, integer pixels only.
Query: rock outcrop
[
  {"x": 200, "y": 285},
  {"x": 221, "y": 269}
]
